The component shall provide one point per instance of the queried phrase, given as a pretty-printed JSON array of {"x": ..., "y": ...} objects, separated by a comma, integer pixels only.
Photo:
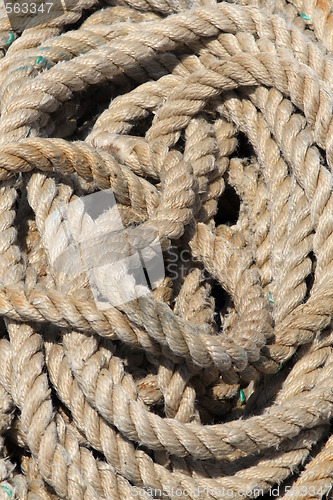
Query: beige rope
[{"x": 210, "y": 124}]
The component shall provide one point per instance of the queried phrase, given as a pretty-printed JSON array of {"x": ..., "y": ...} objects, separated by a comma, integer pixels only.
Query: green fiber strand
[
  {"x": 270, "y": 298},
  {"x": 241, "y": 396},
  {"x": 10, "y": 39},
  {"x": 42, "y": 61},
  {"x": 7, "y": 490},
  {"x": 278, "y": 368},
  {"x": 305, "y": 16}
]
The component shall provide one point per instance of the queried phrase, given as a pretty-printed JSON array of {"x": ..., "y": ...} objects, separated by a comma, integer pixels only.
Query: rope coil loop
[{"x": 166, "y": 250}]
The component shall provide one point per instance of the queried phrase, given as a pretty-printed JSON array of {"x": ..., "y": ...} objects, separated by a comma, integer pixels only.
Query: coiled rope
[{"x": 212, "y": 125}]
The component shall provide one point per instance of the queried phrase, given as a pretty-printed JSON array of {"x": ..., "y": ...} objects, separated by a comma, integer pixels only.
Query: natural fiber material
[{"x": 212, "y": 124}]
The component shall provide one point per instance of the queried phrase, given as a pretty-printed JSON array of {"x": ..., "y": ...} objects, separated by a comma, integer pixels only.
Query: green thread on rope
[
  {"x": 241, "y": 396},
  {"x": 278, "y": 369},
  {"x": 307, "y": 18},
  {"x": 7, "y": 490},
  {"x": 10, "y": 39},
  {"x": 42, "y": 61},
  {"x": 270, "y": 298},
  {"x": 63, "y": 56}
]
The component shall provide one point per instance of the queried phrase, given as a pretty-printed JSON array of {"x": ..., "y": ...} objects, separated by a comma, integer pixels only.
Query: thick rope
[{"x": 206, "y": 130}]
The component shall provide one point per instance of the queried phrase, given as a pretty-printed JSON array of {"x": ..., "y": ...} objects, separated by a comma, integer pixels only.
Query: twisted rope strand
[{"x": 191, "y": 138}]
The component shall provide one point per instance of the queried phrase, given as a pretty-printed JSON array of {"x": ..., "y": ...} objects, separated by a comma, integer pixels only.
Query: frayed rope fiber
[{"x": 211, "y": 127}]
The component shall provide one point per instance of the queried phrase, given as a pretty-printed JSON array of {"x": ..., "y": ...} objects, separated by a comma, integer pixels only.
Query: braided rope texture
[{"x": 210, "y": 124}]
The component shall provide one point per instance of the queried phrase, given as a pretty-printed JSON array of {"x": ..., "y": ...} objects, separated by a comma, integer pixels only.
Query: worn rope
[{"x": 206, "y": 130}]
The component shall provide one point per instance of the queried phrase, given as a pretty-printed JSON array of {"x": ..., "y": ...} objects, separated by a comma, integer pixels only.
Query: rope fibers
[{"x": 210, "y": 126}]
